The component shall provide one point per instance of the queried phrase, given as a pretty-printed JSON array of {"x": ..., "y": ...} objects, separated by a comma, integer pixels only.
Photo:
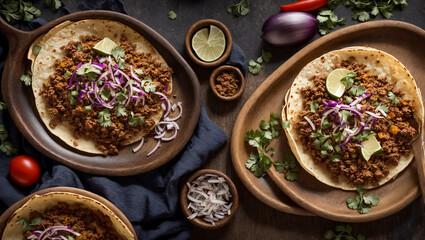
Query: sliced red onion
[
  {"x": 179, "y": 104},
  {"x": 383, "y": 113},
  {"x": 73, "y": 75},
  {"x": 325, "y": 115},
  {"x": 155, "y": 148},
  {"x": 310, "y": 122},
  {"x": 139, "y": 146},
  {"x": 373, "y": 114},
  {"x": 98, "y": 65},
  {"x": 160, "y": 135}
]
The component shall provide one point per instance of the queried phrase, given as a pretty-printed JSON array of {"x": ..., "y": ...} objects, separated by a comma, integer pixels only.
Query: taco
[
  {"x": 354, "y": 114},
  {"x": 64, "y": 215},
  {"x": 96, "y": 101}
]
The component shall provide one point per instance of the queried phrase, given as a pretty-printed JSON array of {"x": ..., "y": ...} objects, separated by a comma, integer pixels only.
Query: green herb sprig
[
  {"x": 342, "y": 233},
  {"x": 172, "y": 15},
  {"x": 135, "y": 121},
  {"x": 254, "y": 67},
  {"x": 104, "y": 118},
  {"x": 27, "y": 225},
  {"x": 238, "y": 9},
  {"x": 362, "y": 203},
  {"x": 258, "y": 163},
  {"x": 26, "y": 78},
  {"x": 289, "y": 167}
]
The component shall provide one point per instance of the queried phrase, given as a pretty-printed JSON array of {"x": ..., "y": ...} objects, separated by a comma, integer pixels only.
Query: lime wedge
[
  {"x": 333, "y": 82},
  {"x": 370, "y": 147},
  {"x": 209, "y": 45},
  {"x": 105, "y": 46}
]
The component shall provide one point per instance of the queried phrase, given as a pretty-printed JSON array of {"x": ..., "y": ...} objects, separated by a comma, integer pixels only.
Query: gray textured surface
[{"x": 255, "y": 220}]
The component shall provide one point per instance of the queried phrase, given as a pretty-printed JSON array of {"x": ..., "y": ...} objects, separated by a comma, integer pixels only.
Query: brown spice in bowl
[{"x": 227, "y": 84}]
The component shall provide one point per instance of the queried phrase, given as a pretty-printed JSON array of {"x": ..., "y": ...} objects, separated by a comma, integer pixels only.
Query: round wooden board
[
  {"x": 5, "y": 216},
  {"x": 24, "y": 114},
  {"x": 397, "y": 38}
]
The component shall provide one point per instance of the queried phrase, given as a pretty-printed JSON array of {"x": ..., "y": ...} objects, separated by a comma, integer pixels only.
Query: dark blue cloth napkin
[{"x": 149, "y": 200}]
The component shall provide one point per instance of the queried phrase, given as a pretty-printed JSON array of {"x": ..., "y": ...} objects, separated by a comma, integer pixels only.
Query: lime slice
[
  {"x": 209, "y": 45},
  {"x": 105, "y": 46},
  {"x": 370, "y": 147},
  {"x": 333, "y": 82}
]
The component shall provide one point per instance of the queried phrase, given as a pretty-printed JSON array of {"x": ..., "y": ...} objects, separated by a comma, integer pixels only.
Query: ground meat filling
[
  {"x": 227, "y": 84},
  {"x": 85, "y": 123},
  {"x": 393, "y": 132},
  {"x": 92, "y": 225}
]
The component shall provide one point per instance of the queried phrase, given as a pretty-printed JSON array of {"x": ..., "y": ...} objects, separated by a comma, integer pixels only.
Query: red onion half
[{"x": 289, "y": 28}]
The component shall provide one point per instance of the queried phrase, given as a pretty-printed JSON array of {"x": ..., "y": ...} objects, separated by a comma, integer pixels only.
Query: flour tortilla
[
  {"x": 42, "y": 68},
  {"x": 40, "y": 203},
  {"x": 379, "y": 63}
]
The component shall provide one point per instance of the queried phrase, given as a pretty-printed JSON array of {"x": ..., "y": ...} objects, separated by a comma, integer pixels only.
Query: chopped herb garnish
[
  {"x": 348, "y": 80},
  {"x": 67, "y": 74},
  {"x": 104, "y": 118},
  {"x": 356, "y": 90},
  {"x": 384, "y": 108},
  {"x": 259, "y": 162},
  {"x": 172, "y": 15},
  {"x": 118, "y": 52},
  {"x": 342, "y": 233},
  {"x": 79, "y": 48},
  {"x": 326, "y": 124},
  {"x": 254, "y": 67},
  {"x": 87, "y": 108},
  {"x": 348, "y": 100},
  {"x": 375, "y": 104},
  {"x": 135, "y": 121},
  {"x": 286, "y": 124},
  {"x": 121, "y": 64},
  {"x": 362, "y": 203},
  {"x": 26, "y": 78},
  {"x": 393, "y": 97},
  {"x": 239, "y": 9},
  {"x": 363, "y": 136},
  {"x": 2, "y": 105},
  {"x": 18, "y": 10},
  {"x": 56, "y": 4},
  {"x": 5, "y": 145},
  {"x": 148, "y": 85},
  {"x": 320, "y": 139},
  {"x": 313, "y": 106},
  {"x": 338, "y": 136},
  {"x": 70, "y": 238},
  {"x": 105, "y": 94},
  {"x": 289, "y": 167},
  {"x": 139, "y": 71},
  {"x": 328, "y": 21},
  {"x": 27, "y": 225},
  {"x": 71, "y": 97},
  {"x": 121, "y": 96},
  {"x": 89, "y": 71},
  {"x": 335, "y": 157},
  {"x": 265, "y": 56},
  {"x": 36, "y": 49},
  {"x": 120, "y": 110},
  {"x": 345, "y": 115}
]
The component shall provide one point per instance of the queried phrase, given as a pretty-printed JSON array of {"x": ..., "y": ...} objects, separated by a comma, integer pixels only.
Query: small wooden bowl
[
  {"x": 202, "y": 24},
  {"x": 199, "y": 222},
  {"x": 227, "y": 68}
]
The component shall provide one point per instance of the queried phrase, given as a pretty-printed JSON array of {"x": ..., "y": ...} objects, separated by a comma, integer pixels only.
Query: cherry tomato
[
  {"x": 304, "y": 6},
  {"x": 24, "y": 170}
]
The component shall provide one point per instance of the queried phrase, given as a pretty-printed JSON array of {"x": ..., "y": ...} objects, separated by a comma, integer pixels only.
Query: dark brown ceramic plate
[
  {"x": 397, "y": 38},
  {"x": 21, "y": 106},
  {"x": 5, "y": 216}
]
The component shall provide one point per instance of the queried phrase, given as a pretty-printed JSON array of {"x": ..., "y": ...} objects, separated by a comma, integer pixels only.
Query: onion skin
[{"x": 289, "y": 28}]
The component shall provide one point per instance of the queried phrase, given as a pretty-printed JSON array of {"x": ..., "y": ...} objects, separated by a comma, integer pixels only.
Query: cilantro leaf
[
  {"x": 121, "y": 96},
  {"x": 120, "y": 110},
  {"x": 363, "y": 204},
  {"x": 2, "y": 105},
  {"x": 104, "y": 118},
  {"x": 36, "y": 49},
  {"x": 26, "y": 78},
  {"x": 88, "y": 71},
  {"x": 70, "y": 238},
  {"x": 313, "y": 106},
  {"x": 71, "y": 97},
  {"x": 121, "y": 64},
  {"x": 328, "y": 21},
  {"x": 342, "y": 233},
  {"x": 254, "y": 67},
  {"x": 105, "y": 94},
  {"x": 79, "y": 48},
  {"x": 356, "y": 90},
  {"x": 172, "y": 15},
  {"x": 239, "y": 9},
  {"x": 326, "y": 124},
  {"x": 266, "y": 56},
  {"x": 286, "y": 124},
  {"x": 335, "y": 157},
  {"x": 87, "y": 108},
  {"x": 348, "y": 100},
  {"x": 349, "y": 79},
  {"x": 393, "y": 98},
  {"x": 345, "y": 115},
  {"x": 384, "y": 108},
  {"x": 338, "y": 136},
  {"x": 67, "y": 74},
  {"x": 135, "y": 121},
  {"x": 139, "y": 71},
  {"x": 117, "y": 52},
  {"x": 56, "y": 4},
  {"x": 148, "y": 85},
  {"x": 27, "y": 225},
  {"x": 363, "y": 136}
]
